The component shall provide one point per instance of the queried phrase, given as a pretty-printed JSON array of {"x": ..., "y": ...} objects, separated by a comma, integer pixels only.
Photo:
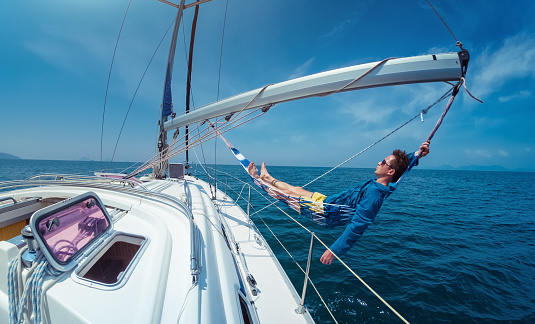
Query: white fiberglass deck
[{"x": 159, "y": 289}]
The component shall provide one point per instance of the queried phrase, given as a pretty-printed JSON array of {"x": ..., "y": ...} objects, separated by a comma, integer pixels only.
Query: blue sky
[{"x": 56, "y": 56}]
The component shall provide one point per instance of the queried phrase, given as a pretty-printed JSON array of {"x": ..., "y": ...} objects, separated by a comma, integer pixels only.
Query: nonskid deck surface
[{"x": 159, "y": 289}]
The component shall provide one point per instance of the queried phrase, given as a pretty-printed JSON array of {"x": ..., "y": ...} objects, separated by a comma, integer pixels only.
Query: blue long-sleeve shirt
[{"x": 367, "y": 199}]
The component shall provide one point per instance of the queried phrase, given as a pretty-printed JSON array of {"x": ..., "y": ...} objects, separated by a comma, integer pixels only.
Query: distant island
[{"x": 5, "y": 156}]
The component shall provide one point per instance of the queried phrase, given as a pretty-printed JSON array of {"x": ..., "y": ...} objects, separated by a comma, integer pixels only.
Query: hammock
[
  {"x": 328, "y": 215},
  {"x": 331, "y": 215}
]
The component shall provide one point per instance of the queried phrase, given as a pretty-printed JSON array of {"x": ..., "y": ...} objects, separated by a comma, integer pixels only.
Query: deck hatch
[
  {"x": 113, "y": 264},
  {"x": 68, "y": 230}
]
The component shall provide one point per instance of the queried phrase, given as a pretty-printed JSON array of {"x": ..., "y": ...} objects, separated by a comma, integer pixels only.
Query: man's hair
[{"x": 400, "y": 164}]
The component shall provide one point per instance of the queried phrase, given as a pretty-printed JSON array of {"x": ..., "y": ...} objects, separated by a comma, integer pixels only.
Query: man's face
[{"x": 384, "y": 166}]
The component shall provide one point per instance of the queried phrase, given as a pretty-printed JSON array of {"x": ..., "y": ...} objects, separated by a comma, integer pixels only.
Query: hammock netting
[{"x": 328, "y": 215}]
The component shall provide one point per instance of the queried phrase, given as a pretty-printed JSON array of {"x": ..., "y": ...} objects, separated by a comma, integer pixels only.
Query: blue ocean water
[{"x": 446, "y": 247}]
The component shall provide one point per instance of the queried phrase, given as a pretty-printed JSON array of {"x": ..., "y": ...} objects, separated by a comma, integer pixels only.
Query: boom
[{"x": 417, "y": 69}]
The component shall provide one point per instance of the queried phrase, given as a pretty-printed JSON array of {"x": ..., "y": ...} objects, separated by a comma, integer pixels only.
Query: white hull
[{"x": 159, "y": 288}]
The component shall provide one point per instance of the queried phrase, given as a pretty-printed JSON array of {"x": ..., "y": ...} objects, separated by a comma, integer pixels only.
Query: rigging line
[
  {"x": 424, "y": 111},
  {"x": 150, "y": 161},
  {"x": 211, "y": 135},
  {"x": 458, "y": 43},
  {"x": 108, "y": 83},
  {"x": 156, "y": 158},
  {"x": 228, "y": 122},
  {"x": 178, "y": 150},
  {"x": 299, "y": 266},
  {"x": 358, "y": 78},
  {"x": 221, "y": 51},
  {"x": 175, "y": 151},
  {"x": 465, "y": 88},
  {"x": 342, "y": 262},
  {"x": 138, "y": 86},
  {"x": 280, "y": 242},
  {"x": 203, "y": 156}
]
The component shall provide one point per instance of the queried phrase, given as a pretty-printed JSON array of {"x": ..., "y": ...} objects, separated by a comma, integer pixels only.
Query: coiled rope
[{"x": 27, "y": 298}]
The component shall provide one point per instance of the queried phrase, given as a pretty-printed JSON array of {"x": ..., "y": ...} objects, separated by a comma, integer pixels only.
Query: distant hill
[
  {"x": 478, "y": 168},
  {"x": 6, "y": 156}
]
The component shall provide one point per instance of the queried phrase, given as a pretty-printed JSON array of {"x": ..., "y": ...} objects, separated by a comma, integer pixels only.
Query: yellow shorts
[{"x": 316, "y": 202}]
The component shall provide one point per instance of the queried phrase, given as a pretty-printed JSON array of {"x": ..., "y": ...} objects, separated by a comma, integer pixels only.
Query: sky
[{"x": 56, "y": 57}]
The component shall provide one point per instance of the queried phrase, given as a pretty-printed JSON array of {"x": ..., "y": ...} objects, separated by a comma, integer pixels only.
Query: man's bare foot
[
  {"x": 264, "y": 175},
  {"x": 252, "y": 170}
]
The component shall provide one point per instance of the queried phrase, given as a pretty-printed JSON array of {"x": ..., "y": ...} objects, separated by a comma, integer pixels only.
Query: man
[{"x": 366, "y": 199}]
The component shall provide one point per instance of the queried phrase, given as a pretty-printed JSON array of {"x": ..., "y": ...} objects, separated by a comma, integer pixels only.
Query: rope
[
  {"x": 357, "y": 79},
  {"x": 424, "y": 111},
  {"x": 278, "y": 240},
  {"x": 172, "y": 151},
  {"x": 320, "y": 241},
  {"x": 221, "y": 50},
  {"x": 108, "y": 84},
  {"x": 345, "y": 265},
  {"x": 458, "y": 43},
  {"x": 137, "y": 89},
  {"x": 465, "y": 88},
  {"x": 27, "y": 298}
]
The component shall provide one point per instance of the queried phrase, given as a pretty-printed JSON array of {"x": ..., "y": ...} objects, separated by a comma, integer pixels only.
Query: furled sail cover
[
  {"x": 167, "y": 102},
  {"x": 167, "y": 108},
  {"x": 328, "y": 215}
]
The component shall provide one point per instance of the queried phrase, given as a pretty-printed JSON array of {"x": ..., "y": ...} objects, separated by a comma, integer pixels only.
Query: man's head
[
  {"x": 392, "y": 167},
  {"x": 400, "y": 164}
]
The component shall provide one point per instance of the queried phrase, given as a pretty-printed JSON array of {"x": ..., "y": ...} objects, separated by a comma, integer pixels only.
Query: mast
[
  {"x": 166, "y": 108},
  {"x": 188, "y": 81}
]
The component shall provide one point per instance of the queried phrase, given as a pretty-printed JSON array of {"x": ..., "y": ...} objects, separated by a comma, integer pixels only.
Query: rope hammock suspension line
[
  {"x": 324, "y": 245},
  {"x": 171, "y": 151},
  {"x": 331, "y": 215},
  {"x": 420, "y": 114},
  {"x": 177, "y": 146}
]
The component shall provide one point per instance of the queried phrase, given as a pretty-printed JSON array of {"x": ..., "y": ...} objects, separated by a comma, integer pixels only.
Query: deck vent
[{"x": 176, "y": 171}]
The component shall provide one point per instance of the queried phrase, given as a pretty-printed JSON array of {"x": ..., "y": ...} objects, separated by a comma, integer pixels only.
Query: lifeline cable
[
  {"x": 337, "y": 257},
  {"x": 278, "y": 240}
]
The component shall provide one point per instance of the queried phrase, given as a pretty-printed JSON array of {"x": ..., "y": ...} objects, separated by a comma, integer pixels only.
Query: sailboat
[{"x": 166, "y": 247}]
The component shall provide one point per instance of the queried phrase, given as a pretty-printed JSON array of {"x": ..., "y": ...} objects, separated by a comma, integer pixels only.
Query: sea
[{"x": 446, "y": 246}]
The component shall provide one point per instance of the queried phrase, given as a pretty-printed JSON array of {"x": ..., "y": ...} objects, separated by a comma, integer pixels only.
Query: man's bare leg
[{"x": 283, "y": 186}]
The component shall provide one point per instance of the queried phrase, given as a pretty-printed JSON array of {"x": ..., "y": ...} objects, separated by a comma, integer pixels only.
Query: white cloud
[
  {"x": 297, "y": 138},
  {"x": 478, "y": 153},
  {"x": 486, "y": 122},
  {"x": 503, "y": 153},
  {"x": 301, "y": 70},
  {"x": 367, "y": 112},
  {"x": 342, "y": 26},
  {"x": 497, "y": 66},
  {"x": 523, "y": 94}
]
